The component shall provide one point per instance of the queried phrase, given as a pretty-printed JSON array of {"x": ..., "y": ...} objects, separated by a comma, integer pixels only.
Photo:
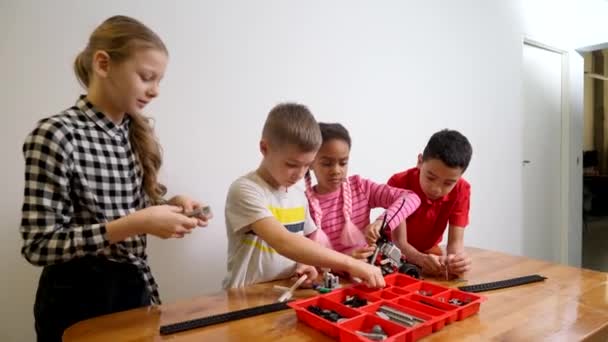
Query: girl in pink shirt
[{"x": 340, "y": 205}]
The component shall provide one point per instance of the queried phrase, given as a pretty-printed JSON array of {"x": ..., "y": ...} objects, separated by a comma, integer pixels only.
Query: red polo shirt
[{"x": 426, "y": 225}]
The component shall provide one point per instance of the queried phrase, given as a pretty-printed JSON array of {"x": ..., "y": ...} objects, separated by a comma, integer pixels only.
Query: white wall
[
  {"x": 571, "y": 25},
  {"x": 393, "y": 72}
]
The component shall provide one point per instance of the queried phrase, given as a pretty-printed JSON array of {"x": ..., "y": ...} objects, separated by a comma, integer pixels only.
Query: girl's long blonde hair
[{"x": 120, "y": 37}]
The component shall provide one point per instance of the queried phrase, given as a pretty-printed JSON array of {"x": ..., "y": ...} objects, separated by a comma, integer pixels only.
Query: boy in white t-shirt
[{"x": 267, "y": 218}]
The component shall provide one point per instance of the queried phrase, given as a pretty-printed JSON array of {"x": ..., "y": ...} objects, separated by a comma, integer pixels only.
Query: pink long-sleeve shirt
[{"x": 366, "y": 195}]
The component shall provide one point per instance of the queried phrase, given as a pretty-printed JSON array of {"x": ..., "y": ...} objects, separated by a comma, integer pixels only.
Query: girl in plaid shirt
[{"x": 91, "y": 187}]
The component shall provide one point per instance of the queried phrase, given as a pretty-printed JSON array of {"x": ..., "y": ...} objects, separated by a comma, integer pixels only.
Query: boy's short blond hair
[{"x": 292, "y": 124}]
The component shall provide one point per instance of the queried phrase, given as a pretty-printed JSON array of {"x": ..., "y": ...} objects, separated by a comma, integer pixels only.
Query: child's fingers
[
  {"x": 435, "y": 265},
  {"x": 174, "y": 208},
  {"x": 456, "y": 257},
  {"x": 364, "y": 255},
  {"x": 460, "y": 267},
  {"x": 188, "y": 207},
  {"x": 371, "y": 275},
  {"x": 312, "y": 273},
  {"x": 377, "y": 231},
  {"x": 307, "y": 284},
  {"x": 183, "y": 220},
  {"x": 371, "y": 240},
  {"x": 356, "y": 280},
  {"x": 179, "y": 233},
  {"x": 370, "y": 282},
  {"x": 377, "y": 280},
  {"x": 437, "y": 261},
  {"x": 369, "y": 250},
  {"x": 182, "y": 230},
  {"x": 374, "y": 238},
  {"x": 373, "y": 232},
  {"x": 187, "y": 222},
  {"x": 363, "y": 252},
  {"x": 458, "y": 263},
  {"x": 299, "y": 270}
]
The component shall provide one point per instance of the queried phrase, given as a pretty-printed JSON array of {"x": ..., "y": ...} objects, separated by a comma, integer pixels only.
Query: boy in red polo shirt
[{"x": 444, "y": 196}]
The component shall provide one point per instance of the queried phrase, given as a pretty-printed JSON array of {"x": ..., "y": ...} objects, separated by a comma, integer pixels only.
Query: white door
[{"x": 541, "y": 164}]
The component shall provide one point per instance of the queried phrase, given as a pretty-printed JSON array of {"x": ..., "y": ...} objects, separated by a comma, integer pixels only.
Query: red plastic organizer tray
[{"x": 427, "y": 301}]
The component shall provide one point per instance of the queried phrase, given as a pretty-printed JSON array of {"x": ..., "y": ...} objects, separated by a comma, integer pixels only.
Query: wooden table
[{"x": 571, "y": 305}]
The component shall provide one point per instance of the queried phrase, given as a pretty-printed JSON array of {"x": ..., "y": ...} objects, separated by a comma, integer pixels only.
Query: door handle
[{"x": 526, "y": 162}]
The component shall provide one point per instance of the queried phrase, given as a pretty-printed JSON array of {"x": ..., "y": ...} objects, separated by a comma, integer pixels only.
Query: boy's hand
[
  {"x": 311, "y": 273},
  {"x": 458, "y": 263},
  {"x": 372, "y": 232},
  {"x": 363, "y": 253},
  {"x": 432, "y": 264},
  {"x": 370, "y": 275}
]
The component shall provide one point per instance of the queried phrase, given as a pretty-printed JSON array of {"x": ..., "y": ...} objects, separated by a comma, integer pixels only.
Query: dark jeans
[{"x": 84, "y": 288}]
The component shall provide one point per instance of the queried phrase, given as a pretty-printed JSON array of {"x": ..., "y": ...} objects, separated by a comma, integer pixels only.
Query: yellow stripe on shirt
[
  {"x": 259, "y": 245},
  {"x": 288, "y": 215}
]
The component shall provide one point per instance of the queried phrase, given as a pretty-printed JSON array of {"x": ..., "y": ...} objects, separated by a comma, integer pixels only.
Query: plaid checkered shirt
[{"x": 81, "y": 173}]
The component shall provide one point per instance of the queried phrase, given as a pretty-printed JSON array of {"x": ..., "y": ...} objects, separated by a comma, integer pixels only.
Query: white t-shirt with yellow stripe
[{"x": 250, "y": 259}]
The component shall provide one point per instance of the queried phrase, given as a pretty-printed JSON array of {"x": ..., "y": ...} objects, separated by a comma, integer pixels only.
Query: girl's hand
[
  {"x": 164, "y": 221},
  {"x": 372, "y": 232},
  {"x": 190, "y": 205}
]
